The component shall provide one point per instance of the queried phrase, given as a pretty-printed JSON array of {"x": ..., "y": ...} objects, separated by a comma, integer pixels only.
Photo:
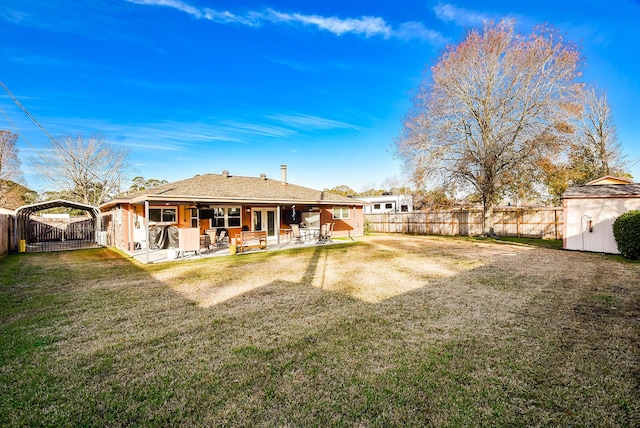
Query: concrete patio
[{"x": 171, "y": 254}]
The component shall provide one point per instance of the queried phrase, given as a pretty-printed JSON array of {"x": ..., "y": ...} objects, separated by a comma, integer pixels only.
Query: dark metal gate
[
  {"x": 47, "y": 234},
  {"x": 37, "y": 233}
]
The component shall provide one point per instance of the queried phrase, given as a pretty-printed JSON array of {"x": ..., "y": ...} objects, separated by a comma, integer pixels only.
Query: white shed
[{"x": 591, "y": 209}]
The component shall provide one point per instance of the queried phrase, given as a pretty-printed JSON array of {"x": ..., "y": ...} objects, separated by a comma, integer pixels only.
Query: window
[
  {"x": 218, "y": 217},
  {"x": 388, "y": 206},
  {"x": 194, "y": 217},
  {"x": 227, "y": 217},
  {"x": 340, "y": 212},
  {"x": 163, "y": 215},
  {"x": 376, "y": 206},
  {"x": 404, "y": 208},
  {"x": 234, "y": 217}
]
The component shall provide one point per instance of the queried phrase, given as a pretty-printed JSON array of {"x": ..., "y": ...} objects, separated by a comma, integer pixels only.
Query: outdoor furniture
[
  {"x": 324, "y": 233},
  {"x": 205, "y": 242},
  {"x": 256, "y": 239},
  {"x": 211, "y": 233},
  {"x": 330, "y": 232},
  {"x": 310, "y": 233},
  {"x": 295, "y": 230},
  {"x": 287, "y": 234},
  {"x": 188, "y": 240},
  {"x": 223, "y": 239}
]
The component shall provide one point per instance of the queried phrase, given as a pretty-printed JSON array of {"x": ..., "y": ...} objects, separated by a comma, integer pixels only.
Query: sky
[{"x": 200, "y": 86}]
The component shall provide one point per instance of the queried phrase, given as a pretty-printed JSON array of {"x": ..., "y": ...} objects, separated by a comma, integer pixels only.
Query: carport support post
[
  {"x": 15, "y": 233},
  {"x": 146, "y": 227},
  {"x": 278, "y": 223}
]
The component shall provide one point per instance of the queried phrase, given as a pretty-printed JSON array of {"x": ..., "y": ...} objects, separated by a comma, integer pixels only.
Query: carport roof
[{"x": 27, "y": 210}]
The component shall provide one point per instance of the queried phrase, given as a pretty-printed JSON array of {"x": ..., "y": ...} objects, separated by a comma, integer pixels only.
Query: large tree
[
  {"x": 596, "y": 150},
  {"x": 9, "y": 164},
  {"x": 593, "y": 151},
  {"x": 487, "y": 114},
  {"x": 89, "y": 170}
]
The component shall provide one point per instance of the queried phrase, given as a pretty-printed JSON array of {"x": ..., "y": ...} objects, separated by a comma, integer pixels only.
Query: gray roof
[
  {"x": 222, "y": 188},
  {"x": 603, "y": 191},
  {"x": 27, "y": 210}
]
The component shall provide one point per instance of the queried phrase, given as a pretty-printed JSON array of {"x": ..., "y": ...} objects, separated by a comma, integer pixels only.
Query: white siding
[
  {"x": 602, "y": 212},
  {"x": 395, "y": 203}
]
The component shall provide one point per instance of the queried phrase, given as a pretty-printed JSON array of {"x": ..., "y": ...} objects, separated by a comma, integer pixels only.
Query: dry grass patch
[{"x": 390, "y": 331}]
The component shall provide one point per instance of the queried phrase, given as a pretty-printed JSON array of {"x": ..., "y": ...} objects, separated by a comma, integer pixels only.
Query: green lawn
[{"x": 389, "y": 331}]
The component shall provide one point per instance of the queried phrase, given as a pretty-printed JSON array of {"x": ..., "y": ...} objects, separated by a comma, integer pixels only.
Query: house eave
[{"x": 208, "y": 200}]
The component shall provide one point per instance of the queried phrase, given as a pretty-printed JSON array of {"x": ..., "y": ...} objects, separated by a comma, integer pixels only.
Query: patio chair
[
  {"x": 324, "y": 231},
  {"x": 211, "y": 233},
  {"x": 223, "y": 239},
  {"x": 295, "y": 232},
  {"x": 330, "y": 232}
]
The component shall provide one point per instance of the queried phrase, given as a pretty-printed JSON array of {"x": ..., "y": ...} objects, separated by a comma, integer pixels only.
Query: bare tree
[
  {"x": 596, "y": 150},
  {"x": 488, "y": 115},
  {"x": 9, "y": 163},
  {"x": 89, "y": 169}
]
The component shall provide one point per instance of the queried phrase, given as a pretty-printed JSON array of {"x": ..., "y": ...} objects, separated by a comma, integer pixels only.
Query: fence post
[{"x": 453, "y": 221}]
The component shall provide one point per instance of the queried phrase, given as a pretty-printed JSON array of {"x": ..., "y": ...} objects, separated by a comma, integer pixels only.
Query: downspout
[{"x": 146, "y": 227}]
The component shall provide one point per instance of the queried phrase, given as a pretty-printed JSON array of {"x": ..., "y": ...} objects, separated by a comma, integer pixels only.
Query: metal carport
[{"x": 38, "y": 234}]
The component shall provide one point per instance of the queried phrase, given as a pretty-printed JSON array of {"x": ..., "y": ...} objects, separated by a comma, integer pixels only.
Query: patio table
[{"x": 310, "y": 233}]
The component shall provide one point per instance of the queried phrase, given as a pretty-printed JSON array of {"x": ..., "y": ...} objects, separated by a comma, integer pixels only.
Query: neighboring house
[
  {"x": 230, "y": 203},
  {"x": 591, "y": 209},
  {"x": 388, "y": 204}
]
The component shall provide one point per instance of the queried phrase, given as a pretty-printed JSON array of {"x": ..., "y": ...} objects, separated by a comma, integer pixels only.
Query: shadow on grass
[{"x": 93, "y": 339}]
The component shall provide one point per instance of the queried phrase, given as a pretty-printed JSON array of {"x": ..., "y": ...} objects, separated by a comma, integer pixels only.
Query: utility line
[
  {"x": 34, "y": 120},
  {"x": 6, "y": 116}
]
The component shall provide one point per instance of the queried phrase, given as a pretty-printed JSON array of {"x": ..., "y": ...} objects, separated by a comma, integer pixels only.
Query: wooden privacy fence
[
  {"x": 6, "y": 228},
  {"x": 515, "y": 222}
]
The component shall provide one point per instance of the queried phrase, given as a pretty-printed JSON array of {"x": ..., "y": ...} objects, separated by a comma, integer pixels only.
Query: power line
[
  {"x": 56, "y": 142},
  {"x": 6, "y": 116}
]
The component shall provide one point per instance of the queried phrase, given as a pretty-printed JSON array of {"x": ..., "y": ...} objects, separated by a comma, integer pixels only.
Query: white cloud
[
  {"x": 175, "y": 4},
  {"x": 367, "y": 26},
  {"x": 308, "y": 122},
  {"x": 415, "y": 30},
  {"x": 460, "y": 16}
]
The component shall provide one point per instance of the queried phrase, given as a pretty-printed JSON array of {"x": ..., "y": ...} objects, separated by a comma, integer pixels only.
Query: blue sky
[{"x": 199, "y": 86}]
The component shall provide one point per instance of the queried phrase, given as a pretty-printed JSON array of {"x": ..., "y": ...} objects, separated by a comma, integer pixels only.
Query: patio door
[{"x": 265, "y": 220}]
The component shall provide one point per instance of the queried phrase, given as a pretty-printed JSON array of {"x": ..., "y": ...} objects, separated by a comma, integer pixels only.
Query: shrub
[
  {"x": 626, "y": 230},
  {"x": 368, "y": 227}
]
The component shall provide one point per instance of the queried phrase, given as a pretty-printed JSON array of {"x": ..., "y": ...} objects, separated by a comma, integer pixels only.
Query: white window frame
[
  {"x": 225, "y": 210},
  {"x": 194, "y": 217},
  {"x": 162, "y": 209},
  {"x": 341, "y": 213}
]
